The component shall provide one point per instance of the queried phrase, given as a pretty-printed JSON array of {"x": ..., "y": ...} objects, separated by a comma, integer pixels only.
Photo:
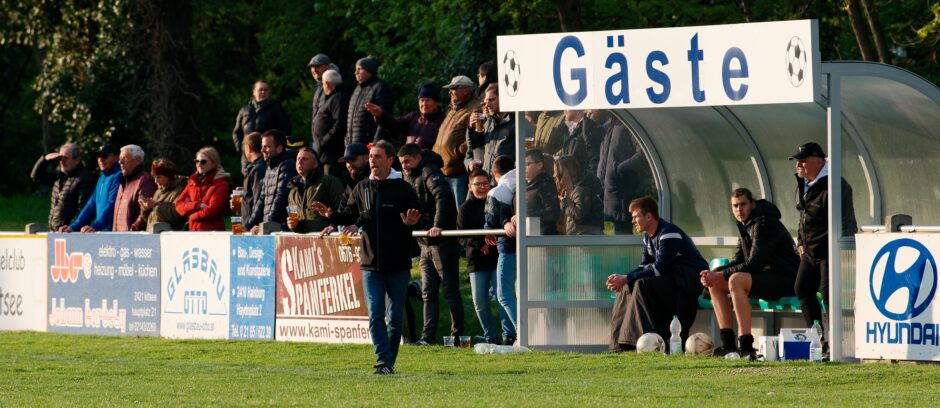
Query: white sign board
[
  {"x": 195, "y": 285},
  {"x": 23, "y": 281},
  {"x": 735, "y": 64},
  {"x": 897, "y": 313}
]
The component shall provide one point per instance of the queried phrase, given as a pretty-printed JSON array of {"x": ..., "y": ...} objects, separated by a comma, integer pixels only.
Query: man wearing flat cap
[
  {"x": 812, "y": 198},
  {"x": 451, "y": 141},
  {"x": 361, "y": 126}
]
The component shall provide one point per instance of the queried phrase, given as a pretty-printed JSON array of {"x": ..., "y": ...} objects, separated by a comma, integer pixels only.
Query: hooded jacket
[
  {"x": 253, "y": 184},
  {"x": 623, "y": 171},
  {"x": 211, "y": 190},
  {"x": 498, "y": 138},
  {"x": 765, "y": 245},
  {"x": 99, "y": 211},
  {"x": 471, "y": 216},
  {"x": 584, "y": 144},
  {"x": 813, "y": 233},
  {"x": 583, "y": 209},
  {"x": 361, "y": 126},
  {"x": 376, "y": 207},
  {"x": 259, "y": 117},
  {"x": 318, "y": 187},
  {"x": 70, "y": 191},
  {"x": 451, "y": 142},
  {"x": 434, "y": 195},
  {"x": 127, "y": 205},
  {"x": 500, "y": 207},
  {"x": 271, "y": 203},
  {"x": 541, "y": 197}
]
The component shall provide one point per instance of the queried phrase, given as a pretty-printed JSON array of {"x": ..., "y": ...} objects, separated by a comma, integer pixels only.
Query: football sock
[
  {"x": 727, "y": 339},
  {"x": 746, "y": 341}
]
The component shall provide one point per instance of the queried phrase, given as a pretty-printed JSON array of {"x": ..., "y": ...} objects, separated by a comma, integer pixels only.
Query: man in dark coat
[
  {"x": 318, "y": 65},
  {"x": 271, "y": 204},
  {"x": 764, "y": 266},
  {"x": 361, "y": 126},
  {"x": 541, "y": 193},
  {"x": 72, "y": 184},
  {"x": 261, "y": 114},
  {"x": 329, "y": 123},
  {"x": 492, "y": 134},
  {"x": 583, "y": 141},
  {"x": 624, "y": 173},
  {"x": 812, "y": 193},
  {"x": 439, "y": 255}
]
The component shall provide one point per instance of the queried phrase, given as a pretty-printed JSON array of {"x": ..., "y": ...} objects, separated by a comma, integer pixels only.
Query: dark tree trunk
[
  {"x": 569, "y": 14},
  {"x": 858, "y": 28},
  {"x": 746, "y": 10},
  {"x": 871, "y": 12}
]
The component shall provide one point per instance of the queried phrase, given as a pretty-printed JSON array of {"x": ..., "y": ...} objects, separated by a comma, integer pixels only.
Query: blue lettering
[
  {"x": 727, "y": 73},
  {"x": 930, "y": 334},
  {"x": 696, "y": 55},
  {"x": 619, "y": 76},
  {"x": 577, "y": 74},
  {"x": 657, "y": 76},
  {"x": 917, "y": 333},
  {"x": 871, "y": 332}
]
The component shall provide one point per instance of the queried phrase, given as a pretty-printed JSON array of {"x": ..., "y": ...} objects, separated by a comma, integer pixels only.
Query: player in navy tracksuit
[{"x": 665, "y": 284}]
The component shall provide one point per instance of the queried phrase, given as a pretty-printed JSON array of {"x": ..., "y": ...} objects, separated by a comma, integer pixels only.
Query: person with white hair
[
  {"x": 329, "y": 123},
  {"x": 135, "y": 184}
]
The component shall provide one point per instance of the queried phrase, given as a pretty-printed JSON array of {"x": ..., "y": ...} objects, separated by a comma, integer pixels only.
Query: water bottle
[
  {"x": 815, "y": 346},
  {"x": 675, "y": 341}
]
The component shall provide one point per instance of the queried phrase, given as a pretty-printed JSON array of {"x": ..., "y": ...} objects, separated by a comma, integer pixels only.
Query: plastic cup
[
  {"x": 448, "y": 341},
  {"x": 465, "y": 342}
]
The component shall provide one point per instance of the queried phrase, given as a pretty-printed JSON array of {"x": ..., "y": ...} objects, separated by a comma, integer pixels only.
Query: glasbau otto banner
[
  {"x": 252, "y": 302},
  {"x": 195, "y": 285},
  {"x": 104, "y": 283},
  {"x": 736, "y": 64},
  {"x": 319, "y": 291},
  {"x": 23, "y": 282},
  {"x": 897, "y": 315}
]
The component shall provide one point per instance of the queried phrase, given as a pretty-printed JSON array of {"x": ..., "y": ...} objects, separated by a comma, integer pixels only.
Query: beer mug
[
  {"x": 237, "y": 227},
  {"x": 237, "y": 197},
  {"x": 292, "y": 213}
]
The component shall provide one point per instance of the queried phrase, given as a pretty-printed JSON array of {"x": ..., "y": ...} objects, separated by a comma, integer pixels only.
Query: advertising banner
[
  {"x": 897, "y": 314},
  {"x": 252, "y": 303},
  {"x": 319, "y": 291},
  {"x": 195, "y": 285},
  {"x": 23, "y": 282},
  {"x": 104, "y": 283},
  {"x": 734, "y": 64}
]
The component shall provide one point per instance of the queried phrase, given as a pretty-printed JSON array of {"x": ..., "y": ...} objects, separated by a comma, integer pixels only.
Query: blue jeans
[
  {"x": 483, "y": 287},
  {"x": 506, "y": 292},
  {"x": 385, "y": 338},
  {"x": 459, "y": 185}
]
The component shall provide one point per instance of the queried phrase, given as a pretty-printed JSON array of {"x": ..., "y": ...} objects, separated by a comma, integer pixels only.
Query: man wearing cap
[
  {"x": 356, "y": 160},
  {"x": 98, "y": 213},
  {"x": 329, "y": 122},
  {"x": 812, "y": 198},
  {"x": 262, "y": 113},
  {"x": 361, "y": 126},
  {"x": 318, "y": 65},
  {"x": 72, "y": 184},
  {"x": 420, "y": 127},
  {"x": 135, "y": 184},
  {"x": 451, "y": 143}
]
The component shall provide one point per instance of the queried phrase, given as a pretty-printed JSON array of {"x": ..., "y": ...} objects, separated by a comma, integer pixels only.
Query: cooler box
[{"x": 794, "y": 344}]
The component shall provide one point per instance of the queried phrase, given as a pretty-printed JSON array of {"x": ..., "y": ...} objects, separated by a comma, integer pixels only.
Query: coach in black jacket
[
  {"x": 812, "y": 176},
  {"x": 385, "y": 207},
  {"x": 764, "y": 266}
]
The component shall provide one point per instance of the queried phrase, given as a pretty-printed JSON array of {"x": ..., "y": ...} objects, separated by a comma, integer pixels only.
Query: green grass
[
  {"x": 44, "y": 369},
  {"x": 21, "y": 210}
]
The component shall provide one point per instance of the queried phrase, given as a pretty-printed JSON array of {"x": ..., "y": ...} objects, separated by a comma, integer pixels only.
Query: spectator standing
[
  {"x": 72, "y": 184},
  {"x": 439, "y": 259},
  {"x": 162, "y": 206},
  {"x": 98, "y": 213},
  {"x": 486, "y": 75},
  {"x": 203, "y": 200},
  {"x": 329, "y": 123},
  {"x": 419, "y": 127},
  {"x": 271, "y": 203},
  {"x": 309, "y": 186},
  {"x": 386, "y": 208},
  {"x": 318, "y": 65},
  {"x": 254, "y": 178},
  {"x": 361, "y": 126},
  {"x": 541, "y": 193},
  {"x": 451, "y": 142},
  {"x": 135, "y": 184},
  {"x": 582, "y": 141},
  {"x": 550, "y": 132},
  {"x": 500, "y": 211},
  {"x": 491, "y": 134},
  {"x": 624, "y": 173},
  {"x": 580, "y": 193},
  {"x": 262, "y": 113}
]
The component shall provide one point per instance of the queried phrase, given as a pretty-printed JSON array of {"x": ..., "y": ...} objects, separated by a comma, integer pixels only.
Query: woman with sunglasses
[{"x": 205, "y": 199}]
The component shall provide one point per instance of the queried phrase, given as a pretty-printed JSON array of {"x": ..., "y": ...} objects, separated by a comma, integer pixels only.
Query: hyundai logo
[{"x": 900, "y": 284}]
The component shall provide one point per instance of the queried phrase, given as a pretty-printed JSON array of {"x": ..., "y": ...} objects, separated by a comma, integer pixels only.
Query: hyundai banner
[
  {"x": 104, "y": 283},
  {"x": 252, "y": 303},
  {"x": 735, "y": 64},
  {"x": 319, "y": 291},
  {"x": 23, "y": 282},
  {"x": 897, "y": 315},
  {"x": 195, "y": 282}
]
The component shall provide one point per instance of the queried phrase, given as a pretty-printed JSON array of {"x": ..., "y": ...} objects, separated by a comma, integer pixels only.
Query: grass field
[
  {"x": 43, "y": 369},
  {"x": 21, "y": 210}
]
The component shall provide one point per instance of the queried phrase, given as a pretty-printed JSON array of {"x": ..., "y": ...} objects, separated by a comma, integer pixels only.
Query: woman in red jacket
[{"x": 205, "y": 199}]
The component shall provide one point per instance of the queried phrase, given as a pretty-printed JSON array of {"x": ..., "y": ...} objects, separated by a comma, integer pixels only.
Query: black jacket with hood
[
  {"x": 765, "y": 245},
  {"x": 813, "y": 232},
  {"x": 438, "y": 208}
]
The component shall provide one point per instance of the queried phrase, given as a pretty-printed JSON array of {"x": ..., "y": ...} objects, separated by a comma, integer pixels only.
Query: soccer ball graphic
[
  {"x": 511, "y": 72},
  {"x": 699, "y": 343},
  {"x": 796, "y": 61},
  {"x": 650, "y": 343}
]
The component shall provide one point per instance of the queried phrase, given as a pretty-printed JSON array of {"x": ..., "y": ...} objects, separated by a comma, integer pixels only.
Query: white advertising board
[
  {"x": 23, "y": 282},
  {"x": 735, "y": 64},
  {"x": 897, "y": 314},
  {"x": 195, "y": 285}
]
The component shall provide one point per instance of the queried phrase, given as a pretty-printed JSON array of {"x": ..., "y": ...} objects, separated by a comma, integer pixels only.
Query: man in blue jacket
[
  {"x": 98, "y": 214},
  {"x": 666, "y": 283}
]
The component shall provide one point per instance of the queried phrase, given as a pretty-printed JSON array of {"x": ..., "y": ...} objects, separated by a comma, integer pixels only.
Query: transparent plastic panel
[
  {"x": 571, "y": 326},
  {"x": 577, "y": 273},
  {"x": 848, "y": 300}
]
